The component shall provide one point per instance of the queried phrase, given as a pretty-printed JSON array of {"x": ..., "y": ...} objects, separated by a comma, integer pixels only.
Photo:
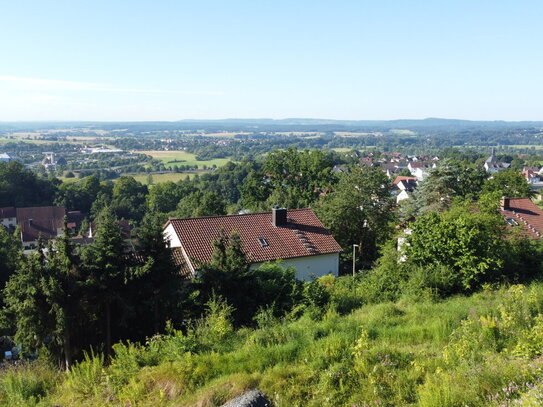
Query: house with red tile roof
[
  {"x": 297, "y": 237},
  {"x": 403, "y": 187},
  {"x": 523, "y": 213},
  {"x": 40, "y": 221},
  {"x": 46, "y": 222}
]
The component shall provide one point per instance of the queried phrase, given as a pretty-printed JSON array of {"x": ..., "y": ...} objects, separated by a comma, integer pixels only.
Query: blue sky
[{"x": 172, "y": 60}]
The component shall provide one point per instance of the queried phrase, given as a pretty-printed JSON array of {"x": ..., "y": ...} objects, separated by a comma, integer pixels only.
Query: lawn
[{"x": 170, "y": 158}]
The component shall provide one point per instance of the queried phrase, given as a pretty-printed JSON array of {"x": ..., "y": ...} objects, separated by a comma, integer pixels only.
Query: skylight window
[
  {"x": 263, "y": 242},
  {"x": 512, "y": 222}
]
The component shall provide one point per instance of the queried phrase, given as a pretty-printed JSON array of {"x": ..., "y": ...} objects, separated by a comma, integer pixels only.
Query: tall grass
[{"x": 482, "y": 350}]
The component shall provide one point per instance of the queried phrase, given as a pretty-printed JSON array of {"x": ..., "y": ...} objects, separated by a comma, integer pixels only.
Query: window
[
  {"x": 263, "y": 242},
  {"x": 512, "y": 222}
]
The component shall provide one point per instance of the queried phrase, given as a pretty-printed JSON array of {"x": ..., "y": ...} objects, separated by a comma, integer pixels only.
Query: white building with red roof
[{"x": 297, "y": 237}]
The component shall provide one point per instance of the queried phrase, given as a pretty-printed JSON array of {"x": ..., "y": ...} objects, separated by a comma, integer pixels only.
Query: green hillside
[{"x": 481, "y": 350}]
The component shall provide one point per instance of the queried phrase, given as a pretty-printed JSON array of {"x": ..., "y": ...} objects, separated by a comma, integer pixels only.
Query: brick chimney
[
  {"x": 505, "y": 203},
  {"x": 279, "y": 216}
]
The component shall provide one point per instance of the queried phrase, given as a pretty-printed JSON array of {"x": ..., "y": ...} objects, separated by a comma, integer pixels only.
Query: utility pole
[{"x": 354, "y": 259}]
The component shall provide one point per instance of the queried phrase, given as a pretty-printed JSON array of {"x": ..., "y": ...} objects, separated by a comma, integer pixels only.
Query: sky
[{"x": 134, "y": 60}]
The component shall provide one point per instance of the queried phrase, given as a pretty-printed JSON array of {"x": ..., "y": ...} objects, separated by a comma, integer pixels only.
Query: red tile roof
[
  {"x": 40, "y": 220},
  {"x": 402, "y": 178},
  {"x": 179, "y": 261},
  {"x": 526, "y": 214},
  {"x": 303, "y": 235},
  {"x": 8, "y": 212}
]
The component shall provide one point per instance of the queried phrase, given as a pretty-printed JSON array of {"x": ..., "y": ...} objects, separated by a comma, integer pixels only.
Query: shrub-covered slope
[{"x": 483, "y": 350}]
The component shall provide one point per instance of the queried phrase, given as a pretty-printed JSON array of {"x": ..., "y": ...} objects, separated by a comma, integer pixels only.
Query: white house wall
[
  {"x": 8, "y": 222},
  {"x": 171, "y": 236},
  {"x": 311, "y": 266}
]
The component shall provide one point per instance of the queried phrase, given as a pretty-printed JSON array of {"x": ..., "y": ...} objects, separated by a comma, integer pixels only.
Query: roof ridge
[{"x": 239, "y": 214}]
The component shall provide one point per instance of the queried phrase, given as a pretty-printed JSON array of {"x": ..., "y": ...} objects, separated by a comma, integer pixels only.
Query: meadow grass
[
  {"x": 171, "y": 158},
  {"x": 170, "y": 176}
]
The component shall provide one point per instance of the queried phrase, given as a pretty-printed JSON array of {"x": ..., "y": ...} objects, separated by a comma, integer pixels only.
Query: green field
[
  {"x": 158, "y": 178},
  {"x": 536, "y": 147},
  {"x": 171, "y": 158}
]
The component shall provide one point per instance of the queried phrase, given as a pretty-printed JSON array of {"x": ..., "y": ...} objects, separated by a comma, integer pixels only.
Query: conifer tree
[
  {"x": 107, "y": 274},
  {"x": 159, "y": 288},
  {"x": 27, "y": 303}
]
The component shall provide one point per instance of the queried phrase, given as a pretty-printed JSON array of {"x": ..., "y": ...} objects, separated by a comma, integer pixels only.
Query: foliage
[
  {"x": 358, "y": 211},
  {"x": 445, "y": 183},
  {"x": 229, "y": 274},
  {"x": 508, "y": 183},
  {"x": 468, "y": 242},
  {"x": 20, "y": 187}
]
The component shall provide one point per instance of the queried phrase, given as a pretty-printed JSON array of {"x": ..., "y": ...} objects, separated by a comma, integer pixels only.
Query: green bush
[{"x": 26, "y": 385}]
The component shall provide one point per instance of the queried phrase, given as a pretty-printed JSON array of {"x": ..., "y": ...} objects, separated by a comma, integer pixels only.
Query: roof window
[{"x": 263, "y": 242}]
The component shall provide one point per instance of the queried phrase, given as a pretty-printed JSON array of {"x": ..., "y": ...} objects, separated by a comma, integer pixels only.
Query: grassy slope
[{"x": 380, "y": 355}]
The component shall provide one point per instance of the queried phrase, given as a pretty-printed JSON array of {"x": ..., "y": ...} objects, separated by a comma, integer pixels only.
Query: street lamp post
[{"x": 354, "y": 259}]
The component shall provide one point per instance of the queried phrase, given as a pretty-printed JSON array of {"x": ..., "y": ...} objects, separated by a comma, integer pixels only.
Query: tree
[
  {"x": 508, "y": 183},
  {"x": 79, "y": 196},
  {"x": 129, "y": 198},
  {"x": 255, "y": 191},
  {"x": 201, "y": 204},
  {"x": 62, "y": 288},
  {"x": 21, "y": 187},
  {"x": 158, "y": 290},
  {"x": 297, "y": 176},
  {"x": 467, "y": 242},
  {"x": 10, "y": 255},
  {"x": 359, "y": 211},
  {"x": 230, "y": 276},
  {"x": 165, "y": 196},
  {"x": 27, "y": 303},
  {"x": 107, "y": 274},
  {"x": 44, "y": 298},
  {"x": 443, "y": 184}
]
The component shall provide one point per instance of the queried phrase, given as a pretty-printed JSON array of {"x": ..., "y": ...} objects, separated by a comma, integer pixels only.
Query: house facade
[
  {"x": 296, "y": 237},
  {"x": 492, "y": 164},
  {"x": 8, "y": 217}
]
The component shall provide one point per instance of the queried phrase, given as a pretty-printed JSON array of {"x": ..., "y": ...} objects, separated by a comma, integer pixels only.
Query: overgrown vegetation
[{"x": 482, "y": 350}]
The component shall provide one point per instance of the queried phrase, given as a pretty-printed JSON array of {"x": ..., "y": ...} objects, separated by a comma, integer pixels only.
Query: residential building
[
  {"x": 5, "y": 157},
  {"x": 403, "y": 187},
  {"x": 46, "y": 222},
  {"x": 419, "y": 169},
  {"x": 523, "y": 213},
  {"x": 297, "y": 237},
  {"x": 492, "y": 164},
  {"x": 8, "y": 217},
  {"x": 531, "y": 175}
]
